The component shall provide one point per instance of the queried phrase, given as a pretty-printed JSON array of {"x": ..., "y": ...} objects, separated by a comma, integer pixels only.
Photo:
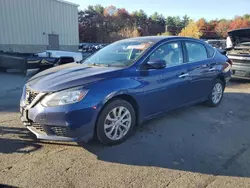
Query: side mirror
[{"x": 156, "y": 64}]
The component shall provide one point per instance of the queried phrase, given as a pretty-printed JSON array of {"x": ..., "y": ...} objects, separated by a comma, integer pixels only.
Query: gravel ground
[{"x": 190, "y": 147}]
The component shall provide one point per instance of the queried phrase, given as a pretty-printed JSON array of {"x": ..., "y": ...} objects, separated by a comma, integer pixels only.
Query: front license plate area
[{"x": 239, "y": 73}]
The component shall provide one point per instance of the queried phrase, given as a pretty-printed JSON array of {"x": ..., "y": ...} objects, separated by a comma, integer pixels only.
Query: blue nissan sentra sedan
[{"x": 122, "y": 85}]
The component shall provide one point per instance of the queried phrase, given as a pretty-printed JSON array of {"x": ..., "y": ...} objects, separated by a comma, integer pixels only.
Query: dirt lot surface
[{"x": 189, "y": 147}]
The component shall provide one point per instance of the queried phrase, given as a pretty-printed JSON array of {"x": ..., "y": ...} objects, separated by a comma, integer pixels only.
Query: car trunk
[
  {"x": 240, "y": 53},
  {"x": 239, "y": 36}
]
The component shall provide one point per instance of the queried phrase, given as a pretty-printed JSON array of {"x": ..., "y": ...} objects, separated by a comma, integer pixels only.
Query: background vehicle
[
  {"x": 91, "y": 47},
  {"x": 219, "y": 44},
  {"x": 51, "y": 58},
  {"x": 122, "y": 85},
  {"x": 239, "y": 53}
]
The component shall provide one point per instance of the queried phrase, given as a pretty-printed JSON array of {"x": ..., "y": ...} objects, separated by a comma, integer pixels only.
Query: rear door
[{"x": 201, "y": 71}]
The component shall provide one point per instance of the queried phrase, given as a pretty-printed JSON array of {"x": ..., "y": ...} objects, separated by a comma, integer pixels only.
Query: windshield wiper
[{"x": 98, "y": 64}]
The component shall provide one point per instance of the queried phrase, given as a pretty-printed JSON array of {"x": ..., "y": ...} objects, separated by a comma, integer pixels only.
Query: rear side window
[
  {"x": 210, "y": 51},
  {"x": 196, "y": 51}
]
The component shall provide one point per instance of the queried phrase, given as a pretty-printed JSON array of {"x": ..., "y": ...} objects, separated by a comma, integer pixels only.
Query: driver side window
[{"x": 171, "y": 53}]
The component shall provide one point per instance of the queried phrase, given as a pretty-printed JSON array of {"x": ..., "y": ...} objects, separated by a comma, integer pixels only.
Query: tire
[
  {"x": 107, "y": 126},
  {"x": 211, "y": 101}
]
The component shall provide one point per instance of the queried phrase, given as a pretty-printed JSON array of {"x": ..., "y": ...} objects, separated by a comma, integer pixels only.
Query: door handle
[
  {"x": 212, "y": 69},
  {"x": 183, "y": 75},
  {"x": 204, "y": 66}
]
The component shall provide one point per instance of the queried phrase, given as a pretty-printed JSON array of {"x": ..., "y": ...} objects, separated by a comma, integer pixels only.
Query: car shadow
[
  {"x": 236, "y": 81},
  {"x": 194, "y": 139},
  {"x": 20, "y": 140},
  {"x": 7, "y": 186}
]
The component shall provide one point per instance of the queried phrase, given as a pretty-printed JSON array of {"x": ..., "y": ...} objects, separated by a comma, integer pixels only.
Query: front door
[
  {"x": 53, "y": 42},
  {"x": 164, "y": 88}
]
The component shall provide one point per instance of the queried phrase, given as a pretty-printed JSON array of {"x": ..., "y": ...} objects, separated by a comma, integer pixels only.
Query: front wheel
[
  {"x": 216, "y": 95},
  {"x": 116, "y": 122}
]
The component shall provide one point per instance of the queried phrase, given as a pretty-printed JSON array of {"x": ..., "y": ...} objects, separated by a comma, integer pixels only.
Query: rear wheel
[
  {"x": 216, "y": 95},
  {"x": 116, "y": 122}
]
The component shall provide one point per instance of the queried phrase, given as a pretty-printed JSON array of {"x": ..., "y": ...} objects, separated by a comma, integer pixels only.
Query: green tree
[
  {"x": 96, "y": 9},
  {"x": 159, "y": 18},
  {"x": 185, "y": 21},
  {"x": 99, "y": 9},
  {"x": 141, "y": 15},
  {"x": 246, "y": 16},
  {"x": 175, "y": 23}
]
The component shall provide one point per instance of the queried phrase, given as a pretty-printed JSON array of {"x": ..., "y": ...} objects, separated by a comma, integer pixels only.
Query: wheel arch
[
  {"x": 125, "y": 97},
  {"x": 222, "y": 78}
]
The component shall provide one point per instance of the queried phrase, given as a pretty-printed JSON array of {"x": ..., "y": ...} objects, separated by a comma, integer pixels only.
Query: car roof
[
  {"x": 156, "y": 39},
  {"x": 216, "y": 40}
]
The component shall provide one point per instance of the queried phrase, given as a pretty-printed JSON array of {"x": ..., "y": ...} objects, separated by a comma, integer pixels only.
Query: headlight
[{"x": 69, "y": 96}]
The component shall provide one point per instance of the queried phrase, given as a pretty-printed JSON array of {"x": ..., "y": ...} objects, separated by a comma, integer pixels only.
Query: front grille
[
  {"x": 60, "y": 131},
  {"x": 50, "y": 130},
  {"x": 241, "y": 73},
  {"x": 30, "y": 96},
  {"x": 240, "y": 61},
  {"x": 37, "y": 126}
]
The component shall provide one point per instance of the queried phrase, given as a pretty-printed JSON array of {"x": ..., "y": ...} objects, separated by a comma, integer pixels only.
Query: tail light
[{"x": 230, "y": 62}]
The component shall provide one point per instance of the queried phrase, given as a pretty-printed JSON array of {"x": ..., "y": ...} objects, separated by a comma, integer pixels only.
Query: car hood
[
  {"x": 70, "y": 75},
  {"x": 239, "y": 36}
]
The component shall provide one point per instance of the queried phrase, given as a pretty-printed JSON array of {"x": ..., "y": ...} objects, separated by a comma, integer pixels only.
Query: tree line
[{"x": 105, "y": 25}]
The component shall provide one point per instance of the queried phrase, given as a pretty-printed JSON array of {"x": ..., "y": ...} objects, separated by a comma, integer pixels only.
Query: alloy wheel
[
  {"x": 117, "y": 123},
  {"x": 217, "y": 93}
]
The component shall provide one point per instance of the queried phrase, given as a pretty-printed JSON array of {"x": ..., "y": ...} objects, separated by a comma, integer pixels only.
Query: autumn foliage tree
[
  {"x": 202, "y": 24},
  {"x": 107, "y": 24},
  {"x": 222, "y": 28},
  {"x": 191, "y": 30},
  {"x": 239, "y": 22}
]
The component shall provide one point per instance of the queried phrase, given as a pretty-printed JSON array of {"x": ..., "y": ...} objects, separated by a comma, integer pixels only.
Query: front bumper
[
  {"x": 241, "y": 69},
  {"x": 241, "y": 72},
  {"x": 44, "y": 136},
  {"x": 74, "y": 122}
]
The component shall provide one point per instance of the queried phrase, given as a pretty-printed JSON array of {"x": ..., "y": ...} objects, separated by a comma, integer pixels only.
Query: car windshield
[{"x": 119, "y": 54}]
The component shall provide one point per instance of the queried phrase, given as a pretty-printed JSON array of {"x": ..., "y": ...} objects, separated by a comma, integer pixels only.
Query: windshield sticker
[{"x": 139, "y": 47}]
